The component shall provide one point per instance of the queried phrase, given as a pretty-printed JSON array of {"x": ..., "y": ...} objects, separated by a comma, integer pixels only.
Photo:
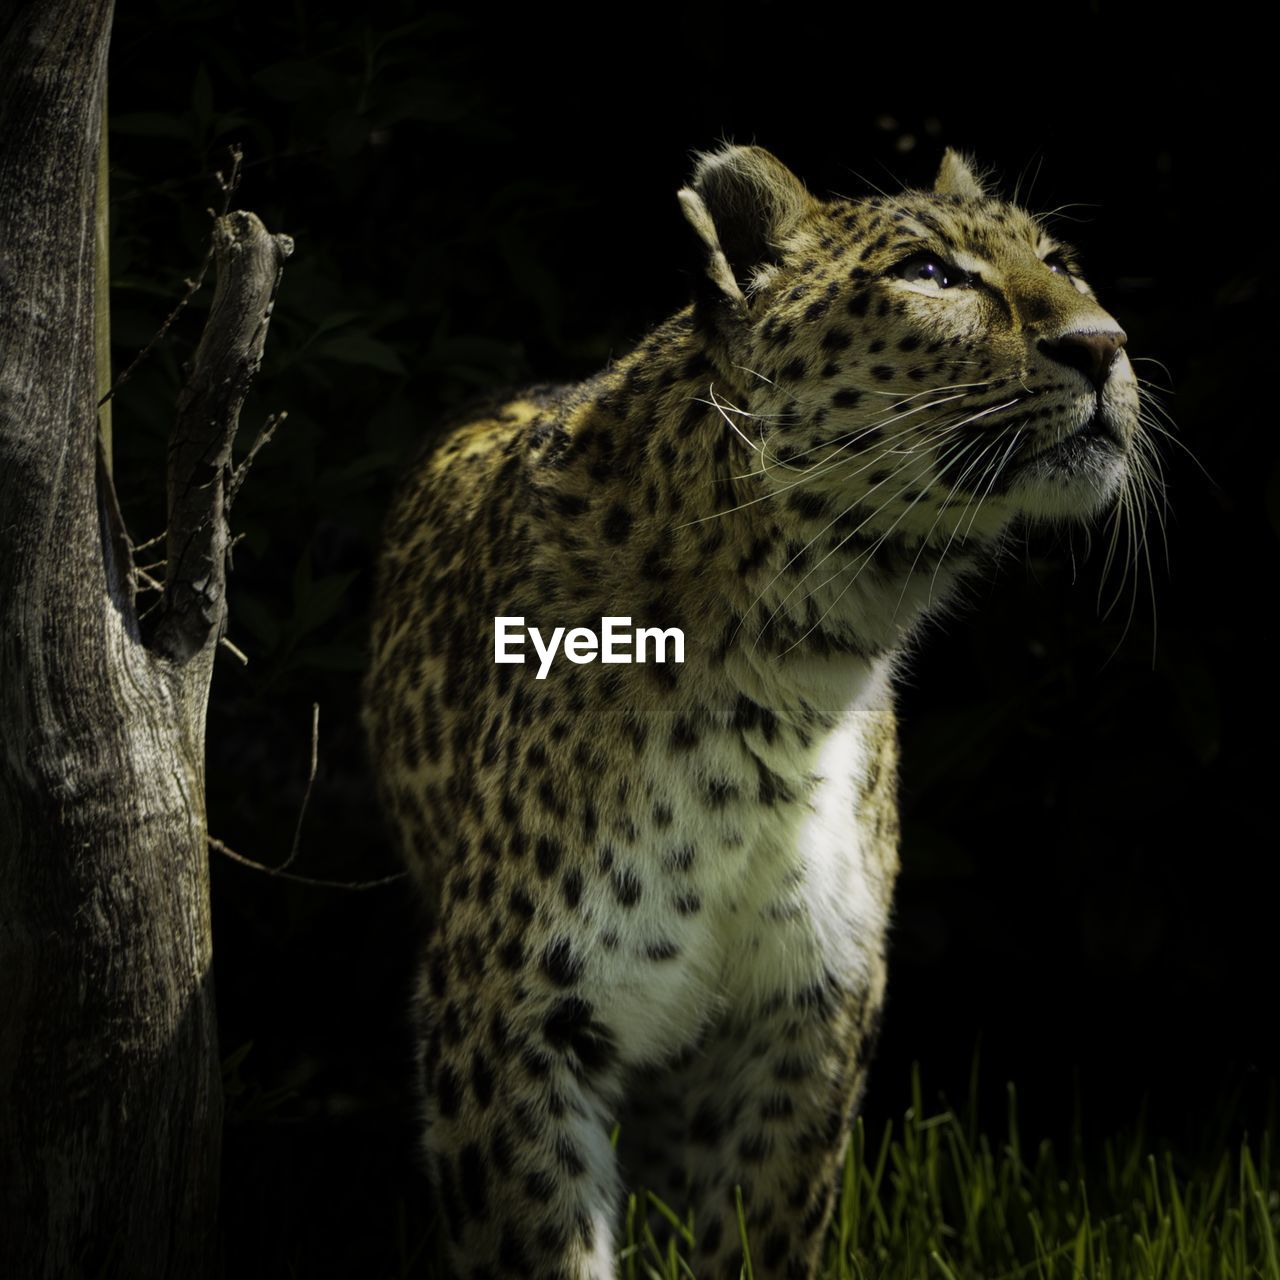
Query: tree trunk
[{"x": 110, "y": 1104}]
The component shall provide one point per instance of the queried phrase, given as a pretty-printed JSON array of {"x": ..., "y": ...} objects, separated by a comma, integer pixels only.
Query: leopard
[{"x": 657, "y": 895}]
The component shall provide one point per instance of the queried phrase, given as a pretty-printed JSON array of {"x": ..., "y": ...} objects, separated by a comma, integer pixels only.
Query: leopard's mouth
[
  {"x": 1073, "y": 477},
  {"x": 1085, "y": 449}
]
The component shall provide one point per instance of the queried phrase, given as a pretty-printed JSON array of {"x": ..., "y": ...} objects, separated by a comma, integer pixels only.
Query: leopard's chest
[{"x": 750, "y": 876}]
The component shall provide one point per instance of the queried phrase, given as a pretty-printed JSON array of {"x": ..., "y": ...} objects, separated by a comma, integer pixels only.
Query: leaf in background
[
  {"x": 152, "y": 124},
  {"x": 348, "y": 133},
  {"x": 482, "y": 361},
  {"x": 293, "y": 80},
  {"x": 227, "y": 122},
  {"x": 333, "y": 657},
  {"x": 336, "y": 485},
  {"x": 534, "y": 278},
  {"x": 335, "y": 321},
  {"x": 361, "y": 349},
  {"x": 261, "y": 623},
  {"x": 319, "y": 600},
  {"x": 202, "y": 98},
  {"x": 425, "y": 100}
]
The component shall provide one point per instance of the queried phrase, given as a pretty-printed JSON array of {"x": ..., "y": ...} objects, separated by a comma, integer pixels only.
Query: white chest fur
[{"x": 756, "y": 883}]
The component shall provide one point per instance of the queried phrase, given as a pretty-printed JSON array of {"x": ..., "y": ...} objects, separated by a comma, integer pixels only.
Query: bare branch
[
  {"x": 311, "y": 778},
  {"x": 282, "y": 872},
  {"x": 249, "y": 265},
  {"x": 228, "y": 186},
  {"x": 239, "y": 475},
  {"x": 235, "y": 651},
  {"x": 228, "y": 852}
]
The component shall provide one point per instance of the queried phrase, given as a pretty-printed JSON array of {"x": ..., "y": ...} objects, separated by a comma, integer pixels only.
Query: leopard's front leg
[
  {"x": 782, "y": 1074},
  {"x": 518, "y": 1084},
  {"x": 771, "y": 1113}
]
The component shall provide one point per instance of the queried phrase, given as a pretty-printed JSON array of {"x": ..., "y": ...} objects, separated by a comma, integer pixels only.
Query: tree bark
[{"x": 110, "y": 1103}]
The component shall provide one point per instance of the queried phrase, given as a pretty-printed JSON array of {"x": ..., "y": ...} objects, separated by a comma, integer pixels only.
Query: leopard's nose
[{"x": 1092, "y": 354}]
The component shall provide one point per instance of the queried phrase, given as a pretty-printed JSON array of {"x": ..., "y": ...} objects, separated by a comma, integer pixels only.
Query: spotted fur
[{"x": 659, "y": 894}]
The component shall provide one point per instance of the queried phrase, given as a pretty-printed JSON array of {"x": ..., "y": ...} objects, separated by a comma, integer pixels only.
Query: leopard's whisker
[
  {"x": 1144, "y": 514},
  {"x": 1151, "y": 482},
  {"x": 865, "y": 558},
  {"x": 929, "y": 391},
  {"x": 1035, "y": 177},
  {"x": 1160, "y": 364},
  {"x": 809, "y": 474},
  {"x": 861, "y": 432},
  {"x": 1059, "y": 216},
  {"x": 725, "y": 407},
  {"x": 927, "y": 540},
  {"x": 1163, "y": 431},
  {"x": 1135, "y": 549},
  {"x": 839, "y": 545},
  {"x": 995, "y": 473},
  {"x": 979, "y": 462},
  {"x": 1128, "y": 518},
  {"x": 1152, "y": 479},
  {"x": 711, "y": 391},
  {"x": 955, "y": 488},
  {"x": 861, "y": 562},
  {"x": 835, "y": 520},
  {"x": 755, "y": 373},
  {"x": 1121, "y": 528},
  {"x": 897, "y": 395},
  {"x": 1113, "y": 542}
]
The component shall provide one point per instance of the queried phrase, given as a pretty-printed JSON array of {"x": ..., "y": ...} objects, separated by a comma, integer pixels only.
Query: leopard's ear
[
  {"x": 743, "y": 203},
  {"x": 957, "y": 178}
]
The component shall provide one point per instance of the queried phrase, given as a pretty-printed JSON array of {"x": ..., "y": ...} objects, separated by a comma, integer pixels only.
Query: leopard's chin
[{"x": 1074, "y": 478}]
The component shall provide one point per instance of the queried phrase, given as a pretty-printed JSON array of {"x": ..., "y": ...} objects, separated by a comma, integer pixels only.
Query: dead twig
[
  {"x": 234, "y": 650},
  {"x": 228, "y": 186},
  {"x": 311, "y": 778},
  {"x": 250, "y": 262},
  {"x": 282, "y": 871},
  {"x": 263, "y": 439},
  {"x": 355, "y": 885}
]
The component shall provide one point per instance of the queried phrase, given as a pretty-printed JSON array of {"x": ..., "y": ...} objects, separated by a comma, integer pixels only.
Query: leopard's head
[{"x": 932, "y": 361}]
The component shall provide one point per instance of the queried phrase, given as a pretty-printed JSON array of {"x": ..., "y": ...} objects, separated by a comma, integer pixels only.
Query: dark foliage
[{"x": 482, "y": 197}]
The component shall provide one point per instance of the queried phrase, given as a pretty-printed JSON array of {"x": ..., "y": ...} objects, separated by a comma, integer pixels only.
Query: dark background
[{"x": 481, "y": 197}]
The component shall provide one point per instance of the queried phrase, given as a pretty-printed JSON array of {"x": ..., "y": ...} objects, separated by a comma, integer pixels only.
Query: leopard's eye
[
  {"x": 928, "y": 269},
  {"x": 1059, "y": 265}
]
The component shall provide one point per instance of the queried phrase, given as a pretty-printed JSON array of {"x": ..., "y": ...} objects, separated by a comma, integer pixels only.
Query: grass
[{"x": 932, "y": 1199}]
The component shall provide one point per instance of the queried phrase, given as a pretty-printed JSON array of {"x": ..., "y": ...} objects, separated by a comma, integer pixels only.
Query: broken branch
[{"x": 249, "y": 262}]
